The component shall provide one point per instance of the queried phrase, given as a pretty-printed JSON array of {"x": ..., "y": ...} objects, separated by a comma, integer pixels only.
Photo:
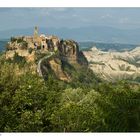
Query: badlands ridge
[{"x": 113, "y": 65}]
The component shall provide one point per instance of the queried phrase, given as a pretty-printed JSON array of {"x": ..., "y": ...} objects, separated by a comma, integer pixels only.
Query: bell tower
[{"x": 35, "y": 32}]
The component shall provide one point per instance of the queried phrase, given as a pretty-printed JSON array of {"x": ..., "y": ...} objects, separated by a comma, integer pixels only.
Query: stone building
[{"x": 44, "y": 45}]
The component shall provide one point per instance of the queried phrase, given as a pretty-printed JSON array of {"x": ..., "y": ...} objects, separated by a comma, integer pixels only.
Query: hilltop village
[
  {"x": 27, "y": 45},
  {"x": 40, "y": 48}
]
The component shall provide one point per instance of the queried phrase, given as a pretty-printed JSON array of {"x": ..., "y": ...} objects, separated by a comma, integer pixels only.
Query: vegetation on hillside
[{"x": 30, "y": 104}]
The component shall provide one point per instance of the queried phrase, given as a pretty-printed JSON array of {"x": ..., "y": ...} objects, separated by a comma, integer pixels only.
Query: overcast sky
[{"x": 12, "y": 18}]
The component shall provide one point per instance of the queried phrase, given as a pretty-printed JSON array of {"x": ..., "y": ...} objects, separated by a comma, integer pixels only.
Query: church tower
[
  {"x": 35, "y": 32},
  {"x": 36, "y": 38}
]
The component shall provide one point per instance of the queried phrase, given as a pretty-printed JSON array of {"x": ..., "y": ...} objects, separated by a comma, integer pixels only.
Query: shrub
[
  {"x": 19, "y": 59},
  {"x": 24, "y": 45},
  {"x": 19, "y": 40},
  {"x": 30, "y": 50},
  {"x": 13, "y": 39}
]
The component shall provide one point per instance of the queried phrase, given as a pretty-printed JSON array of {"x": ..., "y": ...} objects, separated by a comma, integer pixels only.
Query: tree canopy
[{"x": 28, "y": 103}]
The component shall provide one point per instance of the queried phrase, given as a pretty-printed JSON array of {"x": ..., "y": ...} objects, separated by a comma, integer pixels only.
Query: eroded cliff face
[
  {"x": 114, "y": 65},
  {"x": 56, "y": 66},
  {"x": 69, "y": 51}
]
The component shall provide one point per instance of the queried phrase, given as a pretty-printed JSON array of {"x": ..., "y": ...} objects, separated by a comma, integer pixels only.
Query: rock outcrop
[
  {"x": 48, "y": 51},
  {"x": 69, "y": 50}
]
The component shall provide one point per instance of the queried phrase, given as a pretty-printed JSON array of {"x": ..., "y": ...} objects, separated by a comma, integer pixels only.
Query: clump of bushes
[
  {"x": 30, "y": 50},
  {"x": 24, "y": 45},
  {"x": 13, "y": 39},
  {"x": 20, "y": 40},
  {"x": 19, "y": 59}
]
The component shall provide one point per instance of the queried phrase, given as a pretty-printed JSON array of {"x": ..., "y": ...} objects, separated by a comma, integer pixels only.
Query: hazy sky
[{"x": 11, "y": 18}]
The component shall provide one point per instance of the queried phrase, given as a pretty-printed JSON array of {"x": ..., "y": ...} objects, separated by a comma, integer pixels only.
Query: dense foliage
[{"x": 30, "y": 104}]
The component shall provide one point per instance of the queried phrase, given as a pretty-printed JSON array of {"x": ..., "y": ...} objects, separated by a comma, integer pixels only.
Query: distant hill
[
  {"x": 106, "y": 46},
  {"x": 91, "y": 33}
]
